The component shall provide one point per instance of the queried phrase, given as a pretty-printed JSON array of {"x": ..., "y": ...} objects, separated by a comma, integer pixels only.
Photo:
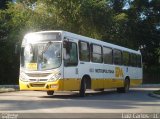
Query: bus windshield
[{"x": 41, "y": 56}]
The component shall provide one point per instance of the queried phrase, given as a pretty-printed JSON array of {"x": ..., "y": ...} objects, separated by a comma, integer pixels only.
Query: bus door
[{"x": 70, "y": 59}]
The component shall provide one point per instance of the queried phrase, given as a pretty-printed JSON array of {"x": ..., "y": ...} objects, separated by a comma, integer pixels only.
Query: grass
[{"x": 157, "y": 92}]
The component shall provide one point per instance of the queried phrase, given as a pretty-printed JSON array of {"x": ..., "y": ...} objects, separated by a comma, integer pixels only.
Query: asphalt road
[{"x": 136, "y": 100}]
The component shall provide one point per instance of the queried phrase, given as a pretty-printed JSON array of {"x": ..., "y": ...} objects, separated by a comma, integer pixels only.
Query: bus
[{"x": 62, "y": 61}]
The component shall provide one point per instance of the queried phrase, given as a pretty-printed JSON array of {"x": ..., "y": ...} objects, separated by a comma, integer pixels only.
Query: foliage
[
  {"x": 3, "y": 4},
  {"x": 157, "y": 92}
]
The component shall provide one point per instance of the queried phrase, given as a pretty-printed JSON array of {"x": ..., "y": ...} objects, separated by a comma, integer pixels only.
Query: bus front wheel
[
  {"x": 50, "y": 92},
  {"x": 82, "y": 88},
  {"x": 124, "y": 89}
]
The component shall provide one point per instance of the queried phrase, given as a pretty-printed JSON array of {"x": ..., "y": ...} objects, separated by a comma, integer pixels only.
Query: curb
[
  {"x": 149, "y": 85},
  {"x": 5, "y": 90},
  {"x": 10, "y": 86},
  {"x": 154, "y": 95}
]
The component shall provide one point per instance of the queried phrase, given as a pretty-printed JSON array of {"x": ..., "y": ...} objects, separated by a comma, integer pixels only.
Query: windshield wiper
[{"x": 47, "y": 46}]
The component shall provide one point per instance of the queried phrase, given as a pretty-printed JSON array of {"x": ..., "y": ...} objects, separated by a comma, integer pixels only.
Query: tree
[
  {"x": 3, "y": 4},
  {"x": 136, "y": 26},
  {"x": 144, "y": 30}
]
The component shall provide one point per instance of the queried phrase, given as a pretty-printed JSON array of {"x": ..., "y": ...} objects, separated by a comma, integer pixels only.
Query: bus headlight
[
  {"x": 55, "y": 77},
  {"x": 22, "y": 78}
]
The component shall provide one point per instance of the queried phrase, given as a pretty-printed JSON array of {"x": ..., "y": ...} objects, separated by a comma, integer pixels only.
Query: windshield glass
[{"x": 41, "y": 56}]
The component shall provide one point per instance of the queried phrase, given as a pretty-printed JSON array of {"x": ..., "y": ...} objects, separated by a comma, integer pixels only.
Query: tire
[
  {"x": 82, "y": 88},
  {"x": 50, "y": 92},
  {"x": 124, "y": 89},
  {"x": 101, "y": 89}
]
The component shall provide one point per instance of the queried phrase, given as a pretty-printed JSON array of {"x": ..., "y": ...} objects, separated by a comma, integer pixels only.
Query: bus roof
[{"x": 91, "y": 40}]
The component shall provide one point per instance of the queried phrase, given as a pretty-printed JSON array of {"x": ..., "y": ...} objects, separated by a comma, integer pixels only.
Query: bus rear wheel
[
  {"x": 82, "y": 88},
  {"x": 124, "y": 89},
  {"x": 50, "y": 92}
]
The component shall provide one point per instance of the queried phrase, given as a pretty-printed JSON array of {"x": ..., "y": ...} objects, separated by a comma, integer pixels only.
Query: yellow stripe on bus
[
  {"x": 135, "y": 82},
  {"x": 74, "y": 84}
]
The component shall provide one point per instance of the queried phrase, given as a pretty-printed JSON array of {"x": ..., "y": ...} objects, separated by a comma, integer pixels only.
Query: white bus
[{"x": 63, "y": 61}]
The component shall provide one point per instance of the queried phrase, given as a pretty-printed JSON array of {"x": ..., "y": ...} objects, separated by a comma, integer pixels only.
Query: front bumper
[{"x": 42, "y": 86}]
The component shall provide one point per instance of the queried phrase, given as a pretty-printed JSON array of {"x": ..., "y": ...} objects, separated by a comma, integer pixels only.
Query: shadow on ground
[{"x": 95, "y": 100}]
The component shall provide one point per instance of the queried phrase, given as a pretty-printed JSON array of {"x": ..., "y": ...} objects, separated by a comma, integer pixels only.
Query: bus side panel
[
  {"x": 109, "y": 76},
  {"x": 112, "y": 76},
  {"x": 71, "y": 84},
  {"x": 97, "y": 81},
  {"x": 119, "y": 76},
  {"x": 135, "y": 75}
]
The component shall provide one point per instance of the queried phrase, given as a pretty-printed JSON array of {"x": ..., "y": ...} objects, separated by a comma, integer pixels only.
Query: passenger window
[
  {"x": 84, "y": 53},
  {"x": 126, "y": 58},
  {"x": 139, "y": 64},
  {"x": 133, "y": 60},
  {"x": 117, "y": 57},
  {"x": 96, "y": 53},
  {"x": 70, "y": 54},
  {"x": 107, "y": 55}
]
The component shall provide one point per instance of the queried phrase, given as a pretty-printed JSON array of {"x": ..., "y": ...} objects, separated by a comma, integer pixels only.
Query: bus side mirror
[
  {"x": 65, "y": 55},
  {"x": 67, "y": 45}
]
